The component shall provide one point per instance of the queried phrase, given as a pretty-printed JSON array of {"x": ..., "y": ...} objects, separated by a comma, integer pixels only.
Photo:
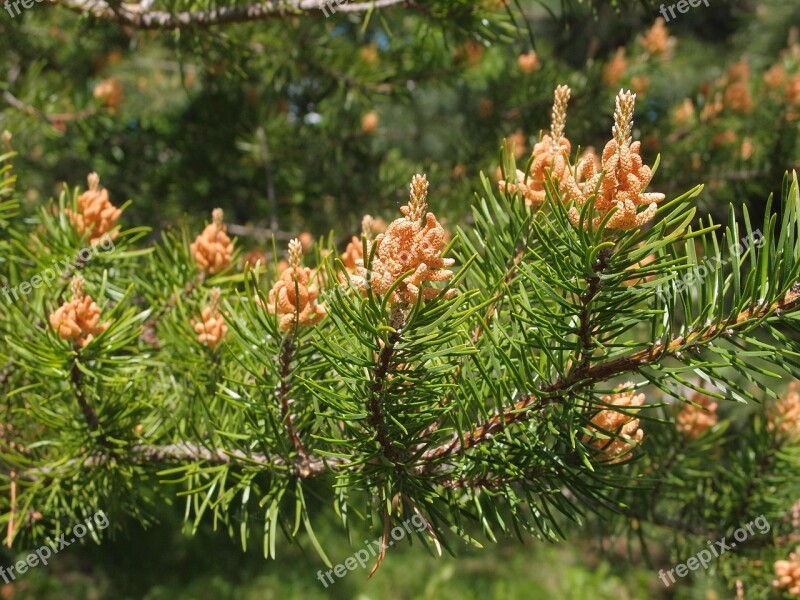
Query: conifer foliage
[{"x": 502, "y": 379}]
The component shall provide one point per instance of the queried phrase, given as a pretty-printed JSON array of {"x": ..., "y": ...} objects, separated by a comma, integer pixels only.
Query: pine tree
[{"x": 529, "y": 371}]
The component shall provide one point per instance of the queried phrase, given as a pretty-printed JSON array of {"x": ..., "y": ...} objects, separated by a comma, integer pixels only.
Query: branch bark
[
  {"x": 138, "y": 16},
  {"x": 376, "y": 418},
  {"x": 287, "y": 354},
  {"x": 304, "y": 467}
]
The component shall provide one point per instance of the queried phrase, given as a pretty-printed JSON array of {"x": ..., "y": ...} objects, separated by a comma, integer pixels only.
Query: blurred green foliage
[
  {"x": 160, "y": 563},
  {"x": 336, "y": 114}
]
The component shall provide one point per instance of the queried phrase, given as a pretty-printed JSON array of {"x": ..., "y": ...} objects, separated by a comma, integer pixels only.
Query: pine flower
[
  {"x": 623, "y": 427},
  {"x": 516, "y": 142},
  {"x": 684, "y": 113},
  {"x": 793, "y": 98},
  {"x": 109, "y": 93},
  {"x": 620, "y": 180},
  {"x": 486, "y": 108},
  {"x": 712, "y": 108},
  {"x": 589, "y": 154},
  {"x": 640, "y": 84},
  {"x": 472, "y": 51},
  {"x": 293, "y": 297},
  {"x": 775, "y": 77},
  {"x": 657, "y": 40},
  {"x": 212, "y": 249},
  {"x": 738, "y": 98},
  {"x": 96, "y": 216},
  {"x": 739, "y": 71},
  {"x": 614, "y": 71},
  {"x": 306, "y": 241},
  {"x": 369, "y": 53},
  {"x": 354, "y": 250},
  {"x": 692, "y": 421},
  {"x": 747, "y": 148},
  {"x": 528, "y": 63},
  {"x": 785, "y": 414},
  {"x": 211, "y": 327},
  {"x": 78, "y": 320},
  {"x": 369, "y": 122},
  {"x": 788, "y": 573},
  {"x": 254, "y": 258},
  {"x": 793, "y": 91},
  {"x": 726, "y": 137},
  {"x": 411, "y": 243},
  {"x": 376, "y": 225},
  {"x": 550, "y": 156}
]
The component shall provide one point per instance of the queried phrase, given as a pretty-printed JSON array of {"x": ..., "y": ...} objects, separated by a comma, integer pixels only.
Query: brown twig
[
  {"x": 89, "y": 414},
  {"x": 304, "y": 467},
  {"x": 50, "y": 118},
  {"x": 287, "y": 354},
  {"x": 376, "y": 418},
  {"x": 585, "y": 322}
]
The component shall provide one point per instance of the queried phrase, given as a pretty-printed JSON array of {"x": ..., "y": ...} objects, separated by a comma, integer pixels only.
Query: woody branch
[{"x": 136, "y": 15}]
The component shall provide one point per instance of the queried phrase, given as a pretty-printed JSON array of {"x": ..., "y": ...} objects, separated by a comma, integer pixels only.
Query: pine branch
[
  {"x": 139, "y": 17},
  {"x": 287, "y": 353},
  {"x": 183, "y": 453},
  {"x": 585, "y": 321},
  {"x": 523, "y": 409},
  {"x": 307, "y": 466},
  {"x": 53, "y": 119},
  {"x": 89, "y": 414},
  {"x": 376, "y": 418}
]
